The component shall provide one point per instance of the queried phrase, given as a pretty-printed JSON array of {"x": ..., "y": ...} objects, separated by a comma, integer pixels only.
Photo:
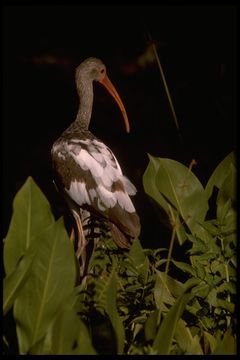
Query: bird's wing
[{"x": 92, "y": 176}]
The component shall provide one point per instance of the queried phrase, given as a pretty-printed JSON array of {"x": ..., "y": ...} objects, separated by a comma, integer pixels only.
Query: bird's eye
[{"x": 102, "y": 71}]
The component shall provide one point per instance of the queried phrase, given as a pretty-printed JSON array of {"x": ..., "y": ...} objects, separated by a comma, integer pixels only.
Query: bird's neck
[{"x": 85, "y": 91}]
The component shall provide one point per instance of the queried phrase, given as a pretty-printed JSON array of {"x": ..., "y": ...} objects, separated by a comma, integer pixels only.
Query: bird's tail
[{"x": 120, "y": 239}]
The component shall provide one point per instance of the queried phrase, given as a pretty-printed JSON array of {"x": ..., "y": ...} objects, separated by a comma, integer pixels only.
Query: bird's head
[{"x": 93, "y": 69}]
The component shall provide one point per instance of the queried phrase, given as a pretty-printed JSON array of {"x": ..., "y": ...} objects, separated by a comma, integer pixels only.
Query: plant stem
[
  {"x": 170, "y": 252},
  {"x": 165, "y": 86},
  {"x": 227, "y": 279},
  {"x": 166, "y": 270}
]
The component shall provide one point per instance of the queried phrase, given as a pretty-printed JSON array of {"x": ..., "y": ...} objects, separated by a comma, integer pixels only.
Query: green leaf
[
  {"x": 227, "y": 305},
  {"x": 143, "y": 272},
  {"x": 227, "y": 194},
  {"x": 151, "y": 188},
  {"x": 51, "y": 281},
  {"x": 199, "y": 268},
  {"x": 201, "y": 290},
  {"x": 189, "y": 344},
  {"x": 223, "y": 211},
  {"x": 226, "y": 346},
  {"x": 164, "y": 337},
  {"x": 111, "y": 310},
  {"x": 68, "y": 336},
  {"x": 218, "y": 266},
  {"x": 136, "y": 254},
  {"x": 177, "y": 224},
  {"x": 171, "y": 183},
  {"x": 184, "y": 267},
  {"x": 149, "y": 182},
  {"x": 182, "y": 188},
  {"x": 210, "y": 339},
  {"x": 31, "y": 215},
  {"x": 195, "y": 347},
  {"x": 139, "y": 261},
  {"x": 162, "y": 294},
  {"x": 212, "y": 298},
  {"x": 167, "y": 288},
  {"x": 150, "y": 326},
  {"x": 195, "y": 308},
  {"x": 106, "y": 294},
  {"x": 211, "y": 227},
  {"x": 14, "y": 282},
  {"x": 227, "y": 286},
  {"x": 220, "y": 173},
  {"x": 132, "y": 288}
]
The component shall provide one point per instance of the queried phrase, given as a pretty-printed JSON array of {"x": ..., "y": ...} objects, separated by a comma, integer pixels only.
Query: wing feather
[{"x": 95, "y": 176}]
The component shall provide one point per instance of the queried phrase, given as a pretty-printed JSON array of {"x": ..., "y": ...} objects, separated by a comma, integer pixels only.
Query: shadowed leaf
[
  {"x": 164, "y": 337},
  {"x": 51, "y": 281},
  {"x": 106, "y": 299},
  {"x": 226, "y": 346},
  {"x": 177, "y": 190},
  {"x": 14, "y": 282},
  {"x": 31, "y": 215},
  {"x": 67, "y": 335},
  {"x": 220, "y": 173}
]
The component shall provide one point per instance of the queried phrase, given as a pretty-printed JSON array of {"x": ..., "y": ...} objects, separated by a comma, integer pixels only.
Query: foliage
[{"x": 131, "y": 302}]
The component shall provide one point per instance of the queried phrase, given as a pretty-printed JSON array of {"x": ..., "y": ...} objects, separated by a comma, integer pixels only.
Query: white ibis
[{"x": 86, "y": 170}]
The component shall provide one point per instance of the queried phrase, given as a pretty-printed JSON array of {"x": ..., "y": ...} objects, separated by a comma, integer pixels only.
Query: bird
[{"x": 86, "y": 171}]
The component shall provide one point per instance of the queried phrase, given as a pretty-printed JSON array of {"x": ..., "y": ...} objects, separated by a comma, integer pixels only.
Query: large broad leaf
[
  {"x": 228, "y": 186},
  {"x": 220, "y": 173},
  {"x": 111, "y": 309},
  {"x": 163, "y": 341},
  {"x": 106, "y": 295},
  {"x": 151, "y": 188},
  {"x": 226, "y": 346},
  {"x": 51, "y": 281},
  {"x": 71, "y": 336},
  {"x": 210, "y": 341},
  {"x": 189, "y": 344},
  {"x": 14, "y": 282},
  {"x": 31, "y": 215},
  {"x": 150, "y": 325},
  {"x": 177, "y": 190},
  {"x": 67, "y": 335},
  {"x": 183, "y": 190},
  {"x": 149, "y": 182},
  {"x": 164, "y": 337},
  {"x": 226, "y": 199}
]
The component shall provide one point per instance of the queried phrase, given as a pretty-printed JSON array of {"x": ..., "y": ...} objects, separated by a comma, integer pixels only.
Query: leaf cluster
[{"x": 131, "y": 302}]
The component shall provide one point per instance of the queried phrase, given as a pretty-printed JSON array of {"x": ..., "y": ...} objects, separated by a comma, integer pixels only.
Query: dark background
[{"x": 42, "y": 45}]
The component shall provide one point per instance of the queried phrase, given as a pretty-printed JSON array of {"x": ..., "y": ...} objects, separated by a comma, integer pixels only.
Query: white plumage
[
  {"x": 94, "y": 156},
  {"x": 78, "y": 193}
]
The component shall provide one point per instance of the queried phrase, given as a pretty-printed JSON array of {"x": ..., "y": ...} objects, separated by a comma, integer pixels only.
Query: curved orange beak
[{"x": 111, "y": 89}]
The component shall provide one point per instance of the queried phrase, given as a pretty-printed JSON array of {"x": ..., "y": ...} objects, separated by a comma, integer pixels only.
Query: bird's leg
[
  {"x": 72, "y": 236},
  {"x": 82, "y": 243},
  {"x": 91, "y": 236}
]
